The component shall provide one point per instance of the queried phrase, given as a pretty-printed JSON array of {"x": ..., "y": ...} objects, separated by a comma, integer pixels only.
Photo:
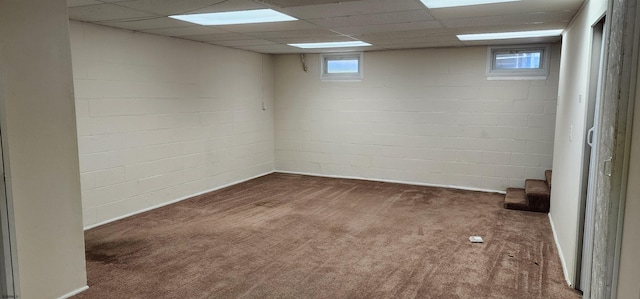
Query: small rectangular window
[
  {"x": 528, "y": 62},
  {"x": 341, "y": 66}
]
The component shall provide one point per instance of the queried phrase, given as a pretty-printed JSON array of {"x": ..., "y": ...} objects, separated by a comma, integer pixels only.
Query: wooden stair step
[
  {"x": 538, "y": 195},
  {"x": 516, "y": 199},
  {"x": 547, "y": 175}
]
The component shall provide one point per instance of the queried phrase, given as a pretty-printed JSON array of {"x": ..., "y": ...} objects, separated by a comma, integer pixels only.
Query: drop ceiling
[{"x": 386, "y": 24}]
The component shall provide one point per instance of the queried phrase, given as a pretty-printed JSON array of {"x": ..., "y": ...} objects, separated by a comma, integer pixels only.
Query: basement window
[
  {"x": 527, "y": 62},
  {"x": 341, "y": 66}
]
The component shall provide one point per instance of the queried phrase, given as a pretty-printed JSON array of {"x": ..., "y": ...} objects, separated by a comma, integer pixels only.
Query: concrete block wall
[
  {"x": 427, "y": 116},
  {"x": 161, "y": 119}
]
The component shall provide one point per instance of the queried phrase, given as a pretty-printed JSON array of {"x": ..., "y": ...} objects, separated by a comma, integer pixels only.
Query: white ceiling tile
[
  {"x": 184, "y": 31},
  {"x": 274, "y": 51},
  {"x": 386, "y": 24},
  {"x": 531, "y": 18},
  {"x": 218, "y": 37},
  {"x": 514, "y": 41},
  {"x": 154, "y": 23},
  {"x": 231, "y": 5},
  {"x": 374, "y": 19},
  {"x": 352, "y": 8},
  {"x": 73, "y": 3},
  {"x": 171, "y": 7},
  {"x": 246, "y": 42},
  {"x": 348, "y": 49},
  {"x": 296, "y": 3},
  {"x": 416, "y": 45},
  {"x": 295, "y": 33},
  {"x": 278, "y": 26},
  {"x": 406, "y": 33},
  {"x": 507, "y": 8},
  {"x": 105, "y": 12},
  {"x": 511, "y": 28},
  {"x": 409, "y": 40},
  {"x": 312, "y": 39},
  {"x": 387, "y": 27},
  {"x": 284, "y": 49}
]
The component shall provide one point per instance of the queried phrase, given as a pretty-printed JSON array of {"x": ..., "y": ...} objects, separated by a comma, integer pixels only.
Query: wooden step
[
  {"x": 547, "y": 175},
  {"x": 515, "y": 199},
  {"x": 538, "y": 195}
]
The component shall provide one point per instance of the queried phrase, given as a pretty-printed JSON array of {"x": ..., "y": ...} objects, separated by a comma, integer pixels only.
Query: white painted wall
[
  {"x": 40, "y": 147},
  {"x": 425, "y": 116},
  {"x": 570, "y": 131},
  {"x": 628, "y": 286},
  {"x": 160, "y": 119}
]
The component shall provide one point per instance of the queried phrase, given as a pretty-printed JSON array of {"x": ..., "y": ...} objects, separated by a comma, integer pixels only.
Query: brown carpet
[{"x": 290, "y": 236}]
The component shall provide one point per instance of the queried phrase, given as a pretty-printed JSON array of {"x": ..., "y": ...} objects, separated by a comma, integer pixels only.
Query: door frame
[
  {"x": 633, "y": 88},
  {"x": 623, "y": 26},
  {"x": 7, "y": 253},
  {"x": 584, "y": 250},
  {"x": 7, "y": 228}
]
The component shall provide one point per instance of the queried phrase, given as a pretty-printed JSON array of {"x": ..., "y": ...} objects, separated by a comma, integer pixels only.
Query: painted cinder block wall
[
  {"x": 426, "y": 116},
  {"x": 160, "y": 119}
]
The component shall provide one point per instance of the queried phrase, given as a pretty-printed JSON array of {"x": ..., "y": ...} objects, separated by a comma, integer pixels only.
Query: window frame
[
  {"x": 541, "y": 73},
  {"x": 344, "y": 77}
]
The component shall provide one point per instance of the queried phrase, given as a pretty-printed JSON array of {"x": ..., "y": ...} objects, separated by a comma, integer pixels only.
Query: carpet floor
[{"x": 291, "y": 236}]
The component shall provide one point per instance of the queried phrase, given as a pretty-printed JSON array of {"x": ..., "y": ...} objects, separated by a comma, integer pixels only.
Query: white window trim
[
  {"x": 518, "y": 74},
  {"x": 348, "y": 77}
]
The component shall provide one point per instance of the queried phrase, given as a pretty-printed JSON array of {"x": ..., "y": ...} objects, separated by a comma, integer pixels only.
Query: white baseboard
[
  {"x": 175, "y": 201},
  {"x": 289, "y": 172},
  {"x": 73, "y": 293},
  {"x": 391, "y": 181},
  {"x": 564, "y": 264}
]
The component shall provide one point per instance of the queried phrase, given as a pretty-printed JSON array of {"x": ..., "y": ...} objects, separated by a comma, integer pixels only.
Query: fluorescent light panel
[
  {"x": 455, "y": 3},
  {"x": 510, "y": 35},
  {"x": 235, "y": 17},
  {"x": 331, "y": 45}
]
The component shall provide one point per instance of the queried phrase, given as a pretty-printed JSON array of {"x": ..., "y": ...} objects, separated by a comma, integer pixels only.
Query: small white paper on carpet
[{"x": 476, "y": 239}]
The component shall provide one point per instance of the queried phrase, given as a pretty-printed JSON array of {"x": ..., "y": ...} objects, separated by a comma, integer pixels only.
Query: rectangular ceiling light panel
[
  {"x": 510, "y": 35},
  {"x": 331, "y": 45},
  {"x": 235, "y": 17},
  {"x": 455, "y": 3}
]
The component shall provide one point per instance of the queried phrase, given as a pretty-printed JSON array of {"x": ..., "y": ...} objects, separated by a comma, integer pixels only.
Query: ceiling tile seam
[
  {"x": 158, "y": 16},
  {"x": 508, "y": 15},
  {"x": 371, "y": 14},
  {"x": 138, "y": 10},
  {"x": 162, "y": 15},
  {"x": 306, "y": 21}
]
